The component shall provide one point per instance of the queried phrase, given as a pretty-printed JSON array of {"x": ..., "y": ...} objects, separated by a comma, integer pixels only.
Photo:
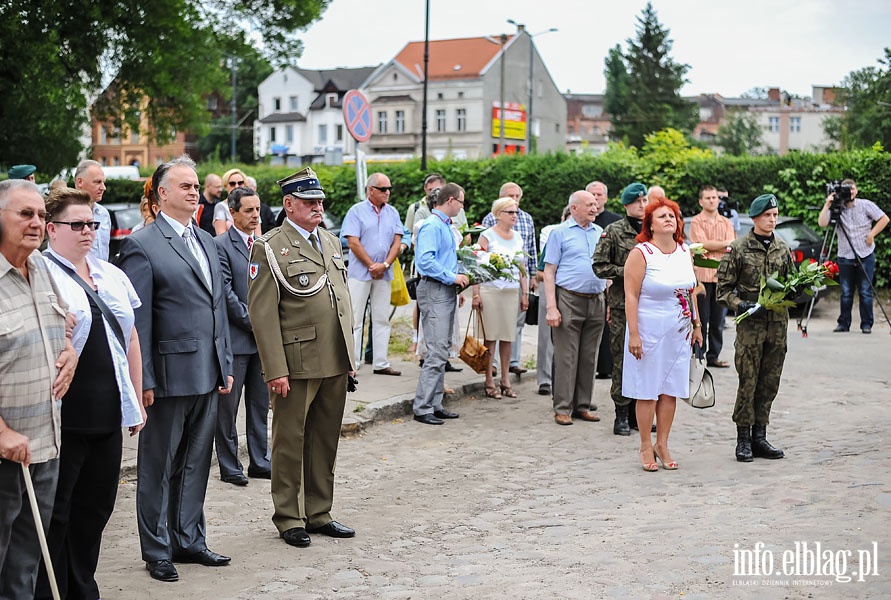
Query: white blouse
[{"x": 117, "y": 292}]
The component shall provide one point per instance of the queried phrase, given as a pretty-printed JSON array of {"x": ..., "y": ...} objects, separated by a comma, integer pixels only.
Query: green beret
[
  {"x": 633, "y": 192},
  {"x": 762, "y": 203},
  {"x": 21, "y": 171}
]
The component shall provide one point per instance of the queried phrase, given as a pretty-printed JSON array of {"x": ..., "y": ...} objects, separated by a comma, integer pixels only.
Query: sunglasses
[
  {"x": 27, "y": 213},
  {"x": 236, "y": 183},
  {"x": 79, "y": 225},
  {"x": 511, "y": 212},
  {"x": 383, "y": 189}
]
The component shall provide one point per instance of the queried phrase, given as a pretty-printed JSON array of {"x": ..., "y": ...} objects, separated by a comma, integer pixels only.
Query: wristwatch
[{"x": 386, "y": 265}]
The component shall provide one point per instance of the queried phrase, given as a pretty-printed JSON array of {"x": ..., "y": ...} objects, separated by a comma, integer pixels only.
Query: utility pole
[
  {"x": 424, "y": 104},
  {"x": 501, "y": 100},
  {"x": 233, "y": 103},
  {"x": 521, "y": 28}
]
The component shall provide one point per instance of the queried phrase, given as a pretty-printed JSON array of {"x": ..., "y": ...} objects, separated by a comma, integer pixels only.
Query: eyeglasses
[
  {"x": 510, "y": 212},
  {"x": 236, "y": 183},
  {"x": 383, "y": 189},
  {"x": 79, "y": 225},
  {"x": 28, "y": 213},
  {"x": 461, "y": 202}
]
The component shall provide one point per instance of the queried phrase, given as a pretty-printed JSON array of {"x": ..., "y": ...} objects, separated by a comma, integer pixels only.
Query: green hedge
[{"x": 798, "y": 180}]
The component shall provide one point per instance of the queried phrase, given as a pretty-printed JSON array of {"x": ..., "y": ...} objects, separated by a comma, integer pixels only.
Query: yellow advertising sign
[{"x": 514, "y": 121}]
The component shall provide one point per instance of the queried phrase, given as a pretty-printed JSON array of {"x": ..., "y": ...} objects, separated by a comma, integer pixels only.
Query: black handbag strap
[{"x": 94, "y": 298}]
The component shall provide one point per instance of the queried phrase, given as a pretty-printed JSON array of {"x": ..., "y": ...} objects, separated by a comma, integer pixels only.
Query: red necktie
[{"x": 250, "y": 242}]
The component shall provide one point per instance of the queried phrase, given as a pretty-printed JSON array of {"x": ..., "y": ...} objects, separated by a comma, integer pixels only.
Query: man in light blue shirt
[
  {"x": 437, "y": 262},
  {"x": 90, "y": 177},
  {"x": 373, "y": 231},
  {"x": 575, "y": 308}
]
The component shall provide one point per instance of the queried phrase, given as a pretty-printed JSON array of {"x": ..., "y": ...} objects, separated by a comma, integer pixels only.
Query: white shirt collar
[
  {"x": 301, "y": 230},
  {"x": 178, "y": 227}
]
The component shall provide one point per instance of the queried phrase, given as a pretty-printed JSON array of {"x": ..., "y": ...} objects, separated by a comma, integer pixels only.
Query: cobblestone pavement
[{"x": 503, "y": 503}]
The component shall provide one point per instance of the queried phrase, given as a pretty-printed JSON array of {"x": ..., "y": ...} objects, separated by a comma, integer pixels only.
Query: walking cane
[{"x": 51, "y": 575}]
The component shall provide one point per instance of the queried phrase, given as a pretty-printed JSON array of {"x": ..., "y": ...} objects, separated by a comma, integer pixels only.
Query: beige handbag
[
  {"x": 702, "y": 386},
  {"x": 473, "y": 351}
]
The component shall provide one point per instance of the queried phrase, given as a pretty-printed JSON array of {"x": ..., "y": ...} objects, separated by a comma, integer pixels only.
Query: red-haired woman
[{"x": 661, "y": 326}]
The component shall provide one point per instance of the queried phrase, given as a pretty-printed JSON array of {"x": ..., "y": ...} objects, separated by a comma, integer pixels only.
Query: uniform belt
[{"x": 580, "y": 294}]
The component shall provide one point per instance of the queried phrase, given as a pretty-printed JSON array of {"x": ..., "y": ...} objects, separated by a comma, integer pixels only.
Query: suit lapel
[
  {"x": 179, "y": 246},
  {"x": 237, "y": 242}
]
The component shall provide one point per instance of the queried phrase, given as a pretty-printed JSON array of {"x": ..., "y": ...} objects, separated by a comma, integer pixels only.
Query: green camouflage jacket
[
  {"x": 610, "y": 254},
  {"x": 740, "y": 271}
]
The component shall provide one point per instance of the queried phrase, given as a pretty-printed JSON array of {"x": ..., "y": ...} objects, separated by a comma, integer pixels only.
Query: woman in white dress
[
  {"x": 661, "y": 326},
  {"x": 499, "y": 301}
]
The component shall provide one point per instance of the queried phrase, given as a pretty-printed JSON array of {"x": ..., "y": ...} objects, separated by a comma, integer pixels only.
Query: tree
[
  {"x": 618, "y": 88},
  {"x": 652, "y": 101},
  {"x": 867, "y": 99},
  {"x": 739, "y": 134},
  {"x": 161, "y": 57}
]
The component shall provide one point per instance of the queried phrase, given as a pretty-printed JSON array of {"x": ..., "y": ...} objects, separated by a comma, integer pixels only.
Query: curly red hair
[{"x": 646, "y": 229}]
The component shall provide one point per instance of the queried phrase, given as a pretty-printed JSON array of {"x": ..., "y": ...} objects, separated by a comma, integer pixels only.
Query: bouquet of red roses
[{"x": 777, "y": 293}]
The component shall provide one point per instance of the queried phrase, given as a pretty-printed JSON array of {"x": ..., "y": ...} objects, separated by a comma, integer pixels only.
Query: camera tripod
[{"x": 829, "y": 239}]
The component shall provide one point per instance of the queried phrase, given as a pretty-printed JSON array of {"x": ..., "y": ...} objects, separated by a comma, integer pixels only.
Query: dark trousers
[
  {"x": 247, "y": 374},
  {"x": 852, "y": 278},
  {"x": 711, "y": 315},
  {"x": 576, "y": 342},
  {"x": 89, "y": 471},
  {"x": 19, "y": 547},
  {"x": 173, "y": 464}
]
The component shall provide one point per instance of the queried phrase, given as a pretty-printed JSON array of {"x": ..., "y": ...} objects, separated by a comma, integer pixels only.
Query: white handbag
[{"x": 702, "y": 386}]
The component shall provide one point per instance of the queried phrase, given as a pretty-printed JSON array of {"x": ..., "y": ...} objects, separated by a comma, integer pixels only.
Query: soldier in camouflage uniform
[
  {"x": 760, "y": 337},
  {"x": 609, "y": 263}
]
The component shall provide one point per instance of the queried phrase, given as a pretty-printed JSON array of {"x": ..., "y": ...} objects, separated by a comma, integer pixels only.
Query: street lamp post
[{"x": 521, "y": 27}]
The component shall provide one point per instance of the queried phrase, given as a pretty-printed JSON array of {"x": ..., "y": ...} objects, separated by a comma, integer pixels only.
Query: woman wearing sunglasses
[
  {"x": 222, "y": 218},
  {"x": 103, "y": 396}
]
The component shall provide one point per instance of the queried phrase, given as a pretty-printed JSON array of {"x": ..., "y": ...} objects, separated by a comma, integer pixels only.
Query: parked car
[
  {"x": 804, "y": 242},
  {"x": 331, "y": 223},
  {"x": 124, "y": 217}
]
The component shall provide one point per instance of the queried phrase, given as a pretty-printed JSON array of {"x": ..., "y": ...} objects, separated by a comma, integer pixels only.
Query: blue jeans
[{"x": 851, "y": 276}]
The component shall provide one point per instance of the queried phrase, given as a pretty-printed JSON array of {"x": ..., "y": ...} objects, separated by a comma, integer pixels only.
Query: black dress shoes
[
  {"x": 517, "y": 370},
  {"x": 297, "y": 536},
  {"x": 444, "y": 414},
  {"x": 259, "y": 474},
  {"x": 162, "y": 570},
  {"x": 453, "y": 369},
  {"x": 236, "y": 479},
  {"x": 428, "y": 419},
  {"x": 205, "y": 557},
  {"x": 544, "y": 389},
  {"x": 334, "y": 529}
]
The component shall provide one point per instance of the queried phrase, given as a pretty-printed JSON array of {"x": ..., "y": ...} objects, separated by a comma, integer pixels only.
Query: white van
[{"x": 130, "y": 172}]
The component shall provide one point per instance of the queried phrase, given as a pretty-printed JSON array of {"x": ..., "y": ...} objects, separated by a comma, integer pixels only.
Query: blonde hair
[
  {"x": 228, "y": 175},
  {"x": 502, "y": 204}
]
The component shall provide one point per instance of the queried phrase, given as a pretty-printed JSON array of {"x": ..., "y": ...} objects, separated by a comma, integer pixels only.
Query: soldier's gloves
[
  {"x": 745, "y": 307},
  {"x": 352, "y": 382}
]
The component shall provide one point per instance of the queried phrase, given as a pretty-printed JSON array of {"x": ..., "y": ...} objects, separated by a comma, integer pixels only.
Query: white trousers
[{"x": 379, "y": 291}]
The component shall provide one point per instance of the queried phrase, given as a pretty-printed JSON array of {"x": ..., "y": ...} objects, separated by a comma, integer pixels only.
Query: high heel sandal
[
  {"x": 492, "y": 392},
  {"x": 651, "y": 466},
  {"x": 507, "y": 391},
  {"x": 668, "y": 466}
]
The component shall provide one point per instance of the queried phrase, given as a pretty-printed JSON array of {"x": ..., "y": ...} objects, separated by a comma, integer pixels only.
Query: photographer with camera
[
  {"x": 728, "y": 208},
  {"x": 860, "y": 221}
]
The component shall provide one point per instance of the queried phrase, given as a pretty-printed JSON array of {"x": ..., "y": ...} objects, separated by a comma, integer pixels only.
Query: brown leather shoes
[
  {"x": 388, "y": 371},
  {"x": 586, "y": 415},
  {"x": 563, "y": 419}
]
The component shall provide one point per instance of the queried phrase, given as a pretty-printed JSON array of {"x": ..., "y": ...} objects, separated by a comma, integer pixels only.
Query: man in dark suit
[
  {"x": 187, "y": 361},
  {"x": 300, "y": 307},
  {"x": 233, "y": 246}
]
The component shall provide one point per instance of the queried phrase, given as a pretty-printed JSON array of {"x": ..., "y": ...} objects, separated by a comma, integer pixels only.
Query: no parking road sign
[{"x": 357, "y": 115}]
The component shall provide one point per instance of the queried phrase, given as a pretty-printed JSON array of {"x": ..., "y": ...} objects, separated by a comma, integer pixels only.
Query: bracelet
[
  {"x": 476, "y": 295},
  {"x": 696, "y": 324}
]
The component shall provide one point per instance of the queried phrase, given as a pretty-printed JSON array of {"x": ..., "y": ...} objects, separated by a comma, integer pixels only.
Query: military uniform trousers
[
  {"x": 305, "y": 434},
  {"x": 576, "y": 342},
  {"x": 760, "y": 351},
  {"x": 617, "y": 348}
]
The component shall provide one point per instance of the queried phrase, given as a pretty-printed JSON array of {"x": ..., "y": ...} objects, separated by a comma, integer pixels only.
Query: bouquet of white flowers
[{"x": 481, "y": 266}]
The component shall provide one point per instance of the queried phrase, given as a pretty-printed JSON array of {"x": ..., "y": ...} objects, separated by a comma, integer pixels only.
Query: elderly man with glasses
[{"x": 373, "y": 230}]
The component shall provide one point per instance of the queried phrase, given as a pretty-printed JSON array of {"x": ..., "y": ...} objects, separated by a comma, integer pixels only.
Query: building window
[
  {"x": 439, "y": 96},
  {"x": 323, "y": 134},
  {"x": 103, "y": 134},
  {"x": 440, "y": 120},
  {"x": 289, "y": 133},
  {"x": 338, "y": 134},
  {"x": 773, "y": 124},
  {"x": 293, "y": 102},
  {"x": 116, "y": 161},
  {"x": 794, "y": 124},
  {"x": 276, "y": 104},
  {"x": 105, "y": 164},
  {"x": 134, "y": 137},
  {"x": 460, "y": 94},
  {"x": 382, "y": 122},
  {"x": 400, "y": 121},
  {"x": 331, "y": 100},
  {"x": 461, "y": 114},
  {"x": 272, "y": 134},
  {"x": 571, "y": 129}
]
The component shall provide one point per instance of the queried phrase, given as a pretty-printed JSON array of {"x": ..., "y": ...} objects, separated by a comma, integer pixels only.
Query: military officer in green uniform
[
  {"x": 300, "y": 309},
  {"x": 761, "y": 337},
  {"x": 610, "y": 254}
]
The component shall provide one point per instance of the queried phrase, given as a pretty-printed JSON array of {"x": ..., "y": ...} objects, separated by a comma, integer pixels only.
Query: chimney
[
  {"x": 520, "y": 28},
  {"x": 773, "y": 94}
]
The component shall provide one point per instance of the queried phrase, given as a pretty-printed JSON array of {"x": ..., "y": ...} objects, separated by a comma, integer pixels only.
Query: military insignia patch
[
  {"x": 255, "y": 270},
  {"x": 285, "y": 252},
  {"x": 303, "y": 280}
]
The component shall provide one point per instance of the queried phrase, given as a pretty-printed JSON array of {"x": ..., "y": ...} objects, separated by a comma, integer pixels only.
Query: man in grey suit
[
  {"x": 183, "y": 327},
  {"x": 233, "y": 246}
]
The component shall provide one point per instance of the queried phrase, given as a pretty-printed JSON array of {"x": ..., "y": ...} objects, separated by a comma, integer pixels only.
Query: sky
[{"x": 731, "y": 46}]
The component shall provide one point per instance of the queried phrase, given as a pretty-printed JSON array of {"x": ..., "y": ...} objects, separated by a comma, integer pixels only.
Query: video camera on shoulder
[
  {"x": 726, "y": 207},
  {"x": 843, "y": 194}
]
